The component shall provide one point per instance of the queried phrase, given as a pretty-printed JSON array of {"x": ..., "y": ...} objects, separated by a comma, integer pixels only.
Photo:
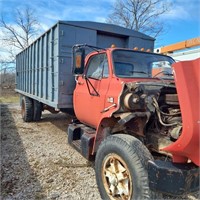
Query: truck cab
[
  {"x": 105, "y": 74},
  {"x": 121, "y": 104}
]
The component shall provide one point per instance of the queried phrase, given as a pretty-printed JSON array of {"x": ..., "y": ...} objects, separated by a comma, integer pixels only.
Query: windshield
[{"x": 132, "y": 64}]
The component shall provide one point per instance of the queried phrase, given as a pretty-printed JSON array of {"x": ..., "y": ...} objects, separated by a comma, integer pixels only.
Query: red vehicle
[
  {"x": 134, "y": 114},
  {"x": 142, "y": 130}
]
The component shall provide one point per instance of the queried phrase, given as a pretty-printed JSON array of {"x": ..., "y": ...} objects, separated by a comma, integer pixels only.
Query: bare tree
[
  {"x": 15, "y": 37},
  {"x": 140, "y": 15},
  {"x": 18, "y": 35}
]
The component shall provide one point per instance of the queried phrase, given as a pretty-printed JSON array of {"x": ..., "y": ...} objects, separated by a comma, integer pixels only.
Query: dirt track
[{"x": 37, "y": 162}]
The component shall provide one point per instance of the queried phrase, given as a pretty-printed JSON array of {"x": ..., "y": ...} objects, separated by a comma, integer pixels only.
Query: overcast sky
[{"x": 183, "y": 21}]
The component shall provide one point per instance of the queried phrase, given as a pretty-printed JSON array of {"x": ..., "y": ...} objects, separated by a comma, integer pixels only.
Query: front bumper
[{"x": 171, "y": 178}]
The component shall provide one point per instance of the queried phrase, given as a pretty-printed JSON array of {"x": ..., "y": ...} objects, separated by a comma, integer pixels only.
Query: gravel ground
[{"x": 37, "y": 162}]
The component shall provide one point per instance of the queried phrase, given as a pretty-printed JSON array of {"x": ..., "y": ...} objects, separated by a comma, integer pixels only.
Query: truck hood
[{"x": 187, "y": 80}]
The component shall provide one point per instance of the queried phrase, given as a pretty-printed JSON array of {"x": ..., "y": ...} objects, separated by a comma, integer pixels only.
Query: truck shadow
[
  {"x": 60, "y": 120},
  {"x": 18, "y": 179}
]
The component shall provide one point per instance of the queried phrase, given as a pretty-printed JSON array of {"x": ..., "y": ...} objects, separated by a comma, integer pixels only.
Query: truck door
[{"x": 91, "y": 90}]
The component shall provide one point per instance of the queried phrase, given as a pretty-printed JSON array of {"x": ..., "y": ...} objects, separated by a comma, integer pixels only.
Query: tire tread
[
  {"x": 136, "y": 154},
  {"x": 28, "y": 112}
]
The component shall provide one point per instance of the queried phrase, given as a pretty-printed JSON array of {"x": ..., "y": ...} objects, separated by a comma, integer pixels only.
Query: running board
[{"x": 81, "y": 138}]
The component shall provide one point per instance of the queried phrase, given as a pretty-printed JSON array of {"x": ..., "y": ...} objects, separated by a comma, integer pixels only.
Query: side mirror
[{"x": 78, "y": 60}]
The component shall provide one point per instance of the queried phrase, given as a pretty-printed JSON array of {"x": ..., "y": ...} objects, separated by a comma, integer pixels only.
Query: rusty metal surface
[{"x": 116, "y": 177}]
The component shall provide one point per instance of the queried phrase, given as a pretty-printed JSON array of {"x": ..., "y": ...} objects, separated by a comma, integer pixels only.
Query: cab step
[
  {"x": 81, "y": 137},
  {"x": 77, "y": 145}
]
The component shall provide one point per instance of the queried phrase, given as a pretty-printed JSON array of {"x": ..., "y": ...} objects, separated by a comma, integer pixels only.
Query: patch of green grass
[{"x": 9, "y": 99}]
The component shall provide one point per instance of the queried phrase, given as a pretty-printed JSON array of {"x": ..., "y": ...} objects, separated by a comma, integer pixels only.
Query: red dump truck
[{"x": 142, "y": 130}]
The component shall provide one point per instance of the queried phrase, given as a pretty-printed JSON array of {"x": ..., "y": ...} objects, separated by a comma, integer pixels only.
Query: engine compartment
[{"x": 156, "y": 116}]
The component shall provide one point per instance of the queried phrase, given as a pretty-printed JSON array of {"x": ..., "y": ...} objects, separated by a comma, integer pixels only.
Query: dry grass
[
  {"x": 9, "y": 99},
  {"x": 8, "y": 95}
]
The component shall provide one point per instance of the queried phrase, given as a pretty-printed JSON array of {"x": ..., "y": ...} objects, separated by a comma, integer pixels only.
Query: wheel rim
[{"x": 116, "y": 177}]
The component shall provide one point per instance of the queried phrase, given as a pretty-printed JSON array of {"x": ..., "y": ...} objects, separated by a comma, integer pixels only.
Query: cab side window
[{"x": 98, "y": 67}]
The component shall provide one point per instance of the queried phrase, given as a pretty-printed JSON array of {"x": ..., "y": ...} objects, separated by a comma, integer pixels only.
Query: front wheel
[{"x": 121, "y": 169}]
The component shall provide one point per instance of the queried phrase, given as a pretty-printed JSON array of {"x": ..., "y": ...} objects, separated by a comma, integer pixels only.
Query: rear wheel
[
  {"x": 121, "y": 169},
  {"x": 37, "y": 110},
  {"x": 27, "y": 109}
]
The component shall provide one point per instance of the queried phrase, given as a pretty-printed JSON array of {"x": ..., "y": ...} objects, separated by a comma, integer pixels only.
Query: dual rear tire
[{"x": 31, "y": 109}]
